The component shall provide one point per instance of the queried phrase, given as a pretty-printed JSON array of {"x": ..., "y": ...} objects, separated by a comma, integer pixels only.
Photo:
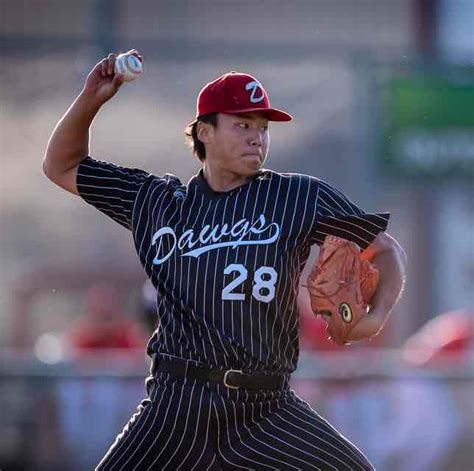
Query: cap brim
[{"x": 272, "y": 113}]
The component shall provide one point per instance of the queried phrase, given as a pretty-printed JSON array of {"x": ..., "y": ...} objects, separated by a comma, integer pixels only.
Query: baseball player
[{"x": 224, "y": 253}]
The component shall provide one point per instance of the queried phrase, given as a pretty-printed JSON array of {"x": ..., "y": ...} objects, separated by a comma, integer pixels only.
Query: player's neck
[{"x": 224, "y": 180}]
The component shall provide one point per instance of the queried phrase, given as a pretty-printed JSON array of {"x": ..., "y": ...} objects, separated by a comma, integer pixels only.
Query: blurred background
[{"x": 382, "y": 94}]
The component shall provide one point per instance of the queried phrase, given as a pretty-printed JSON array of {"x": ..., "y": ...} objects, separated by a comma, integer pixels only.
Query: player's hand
[
  {"x": 103, "y": 83},
  {"x": 369, "y": 326}
]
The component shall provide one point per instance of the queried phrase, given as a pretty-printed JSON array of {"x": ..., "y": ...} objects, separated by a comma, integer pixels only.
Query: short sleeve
[
  {"x": 337, "y": 215},
  {"x": 110, "y": 188}
]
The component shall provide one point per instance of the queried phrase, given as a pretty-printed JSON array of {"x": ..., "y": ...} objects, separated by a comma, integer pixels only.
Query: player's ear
[{"x": 203, "y": 131}]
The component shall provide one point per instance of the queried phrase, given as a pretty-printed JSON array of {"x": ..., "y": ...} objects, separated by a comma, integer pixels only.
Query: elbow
[
  {"x": 403, "y": 256},
  {"x": 47, "y": 168},
  {"x": 397, "y": 252},
  {"x": 52, "y": 165},
  {"x": 399, "y": 257},
  {"x": 384, "y": 243},
  {"x": 50, "y": 170}
]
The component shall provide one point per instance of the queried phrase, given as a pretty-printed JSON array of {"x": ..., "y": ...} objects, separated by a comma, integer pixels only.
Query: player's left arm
[{"x": 390, "y": 259}]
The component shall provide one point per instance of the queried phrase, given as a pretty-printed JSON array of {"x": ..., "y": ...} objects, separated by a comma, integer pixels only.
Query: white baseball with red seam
[{"x": 129, "y": 65}]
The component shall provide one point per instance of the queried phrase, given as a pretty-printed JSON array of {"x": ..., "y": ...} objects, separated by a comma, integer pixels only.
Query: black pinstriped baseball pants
[{"x": 185, "y": 425}]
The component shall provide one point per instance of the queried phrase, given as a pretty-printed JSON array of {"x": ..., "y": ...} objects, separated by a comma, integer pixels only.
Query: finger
[
  {"x": 103, "y": 67},
  {"x": 110, "y": 64},
  {"x": 136, "y": 54},
  {"x": 117, "y": 81},
  {"x": 96, "y": 69}
]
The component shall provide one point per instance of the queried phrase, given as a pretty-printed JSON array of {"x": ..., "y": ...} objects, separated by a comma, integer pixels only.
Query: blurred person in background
[
  {"x": 148, "y": 307},
  {"x": 103, "y": 325},
  {"x": 446, "y": 339},
  {"x": 427, "y": 426},
  {"x": 103, "y": 336}
]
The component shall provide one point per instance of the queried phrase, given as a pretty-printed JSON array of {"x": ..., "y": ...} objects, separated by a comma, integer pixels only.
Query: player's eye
[
  {"x": 346, "y": 312},
  {"x": 243, "y": 125}
]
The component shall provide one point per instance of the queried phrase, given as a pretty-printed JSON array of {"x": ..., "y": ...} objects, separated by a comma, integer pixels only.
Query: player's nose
[{"x": 256, "y": 139}]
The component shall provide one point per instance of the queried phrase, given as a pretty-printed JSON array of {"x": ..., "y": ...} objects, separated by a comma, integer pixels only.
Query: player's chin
[{"x": 251, "y": 165}]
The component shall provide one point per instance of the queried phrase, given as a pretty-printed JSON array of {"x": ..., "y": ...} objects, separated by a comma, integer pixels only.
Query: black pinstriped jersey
[{"x": 226, "y": 266}]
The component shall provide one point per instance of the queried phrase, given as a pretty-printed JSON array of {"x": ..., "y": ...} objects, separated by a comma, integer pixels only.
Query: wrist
[
  {"x": 88, "y": 100},
  {"x": 369, "y": 326}
]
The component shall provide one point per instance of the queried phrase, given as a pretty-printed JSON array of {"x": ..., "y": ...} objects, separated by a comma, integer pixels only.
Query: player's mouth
[{"x": 255, "y": 156}]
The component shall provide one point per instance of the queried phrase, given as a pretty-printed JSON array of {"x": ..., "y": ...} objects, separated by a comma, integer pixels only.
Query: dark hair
[{"x": 191, "y": 135}]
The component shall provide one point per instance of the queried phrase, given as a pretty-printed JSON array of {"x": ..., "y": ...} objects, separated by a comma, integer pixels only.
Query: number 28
[{"x": 263, "y": 289}]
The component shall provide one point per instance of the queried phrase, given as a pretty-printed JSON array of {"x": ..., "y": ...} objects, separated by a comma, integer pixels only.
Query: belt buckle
[{"x": 230, "y": 386}]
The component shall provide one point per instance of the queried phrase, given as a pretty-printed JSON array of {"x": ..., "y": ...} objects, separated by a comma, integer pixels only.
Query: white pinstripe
[
  {"x": 149, "y": 220},
  {"x": 189, "y": 285},
  {"x": 230, "y": 444},
  {"x": 177, "y": 297},
  {"x": 249, "y": 314},
  {"x": 213, "y": 298},
  {"x": 293, "y": 285},
  {"x": 133, "y": 438},
  {"x": 116, "y": 169},
  {"x": 182, "y": 340},
  {"x": 232, "y": 303},
  {"x": 260, "y": 306},
  {"x": 223, "y": 306},
  {"x": 162, "y": 311},
  {"x": 283, "y": 277},
  {"x": 267, "y": 445},
  {"x": 116, "y": 206},
  {"x": 110, "y": 197},
  {"x": 170, "y": 401},
  {"x": 276, "y": 438},
  {"x": 347, "y": 222},
  {"x": 212, "y": 462},
  {"x": 216, "y": 205},
  {"x": 195, "y": 432},
  {"x": 246, "y": 445},
  {"x": 120, "y": 445},
  {"x": 342, "y": 441},
  {"x": 123, "y": 190},
  {"x": 339, "y": 202},
  {"x": 207, "y": 437},
  {"x": 172, "y": 433},
  {"x": 316, "y": 436},
  {"x": 181, "y": 332},
  {"x": 270, "y": 341},
  {"x": 288, "y": 298},
  {"x": 104, "y": 207}
]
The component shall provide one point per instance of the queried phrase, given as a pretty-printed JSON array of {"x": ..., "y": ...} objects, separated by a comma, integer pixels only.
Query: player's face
[{"x": 239, "y": 143}]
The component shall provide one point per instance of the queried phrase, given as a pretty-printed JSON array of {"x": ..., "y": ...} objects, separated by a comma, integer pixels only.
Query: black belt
[{"x": 230, "y": 378}]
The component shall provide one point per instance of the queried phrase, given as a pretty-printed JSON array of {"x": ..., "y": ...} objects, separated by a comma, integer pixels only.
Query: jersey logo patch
[
  {"x": 192, "y": 244},
  {"x": 179, "y": 194},
  {"x": 255, "y": 86}
]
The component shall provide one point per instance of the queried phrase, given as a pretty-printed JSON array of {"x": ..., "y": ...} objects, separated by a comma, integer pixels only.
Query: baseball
[{"x": 129, "y": 65}]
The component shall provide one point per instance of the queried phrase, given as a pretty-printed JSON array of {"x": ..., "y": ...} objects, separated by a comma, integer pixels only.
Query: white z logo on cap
[{"x": 254, "y": 86}]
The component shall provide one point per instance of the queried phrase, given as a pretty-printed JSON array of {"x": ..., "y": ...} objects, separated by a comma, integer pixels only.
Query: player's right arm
[{"x": 68, "y": 145}]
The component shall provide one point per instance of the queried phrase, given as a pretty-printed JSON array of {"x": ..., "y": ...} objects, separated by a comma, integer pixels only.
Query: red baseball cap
[{"x": 235, "y": 93}]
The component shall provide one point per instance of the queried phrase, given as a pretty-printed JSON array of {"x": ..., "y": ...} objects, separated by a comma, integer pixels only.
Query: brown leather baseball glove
[{"x": 341, "y": 286}]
